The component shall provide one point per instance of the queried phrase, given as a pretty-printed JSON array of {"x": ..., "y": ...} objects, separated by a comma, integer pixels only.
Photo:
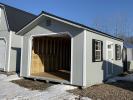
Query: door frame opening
[{"x": 50, "y": 34}]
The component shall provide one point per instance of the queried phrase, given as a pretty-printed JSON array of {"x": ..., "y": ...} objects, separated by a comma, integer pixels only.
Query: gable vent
[{"x": 48, "y": 22}]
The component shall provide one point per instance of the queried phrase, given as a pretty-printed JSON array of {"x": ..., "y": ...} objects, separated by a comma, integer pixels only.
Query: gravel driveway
[{"x": 120, "y": 90}]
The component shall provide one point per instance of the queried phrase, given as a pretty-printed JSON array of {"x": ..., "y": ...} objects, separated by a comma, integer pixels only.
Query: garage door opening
[{"x": 51, "y": 57}]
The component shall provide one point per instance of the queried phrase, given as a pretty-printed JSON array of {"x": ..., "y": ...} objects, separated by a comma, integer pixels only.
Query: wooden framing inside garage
[{"x": 51, "y": 57}]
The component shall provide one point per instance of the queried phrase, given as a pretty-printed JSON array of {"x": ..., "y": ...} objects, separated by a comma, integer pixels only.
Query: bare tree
[{"x": 117, "y": 25}]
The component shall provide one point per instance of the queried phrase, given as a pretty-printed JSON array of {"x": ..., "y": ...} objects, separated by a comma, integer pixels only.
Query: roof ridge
[{"x": 82, "y": 25}]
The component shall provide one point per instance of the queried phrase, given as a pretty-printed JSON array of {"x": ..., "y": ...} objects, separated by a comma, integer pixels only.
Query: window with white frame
[
  {"x": 97, "y": 50},
  {"x": 117, "y": 52}
]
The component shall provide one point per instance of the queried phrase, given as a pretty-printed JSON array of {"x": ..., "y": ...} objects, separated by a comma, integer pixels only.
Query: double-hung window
[
  {"x": 97, "y": 54},
  {"x": 117, "y": 52}
]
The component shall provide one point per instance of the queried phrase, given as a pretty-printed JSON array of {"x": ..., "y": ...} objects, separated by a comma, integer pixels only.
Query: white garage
[{"x": 2, "y": 53}]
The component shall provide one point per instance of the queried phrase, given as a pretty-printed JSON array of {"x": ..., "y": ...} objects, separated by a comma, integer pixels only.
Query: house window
[
  {"x": 117, "y": 52},
  {"x": 97, "y": 50}
]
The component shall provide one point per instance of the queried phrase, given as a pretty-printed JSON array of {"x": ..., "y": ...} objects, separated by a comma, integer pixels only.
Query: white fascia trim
[
  {"x": 69, "y": 23},
  {"x": 84, "y": 58},
  {"x": 75, "y": 25},
  {"x": 9, "y": 54},
  {"x": 50, "y": 34},
  {"x": 52, "y": 18}
]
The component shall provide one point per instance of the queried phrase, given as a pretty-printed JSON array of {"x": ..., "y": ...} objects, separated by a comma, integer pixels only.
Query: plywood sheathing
[{"x": 50, "y": 54}]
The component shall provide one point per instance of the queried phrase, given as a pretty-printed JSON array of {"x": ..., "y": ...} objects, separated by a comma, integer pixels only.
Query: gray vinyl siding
[
  {"x": 57, "y": 27},
  {"x": 130, "y": 58},
  {"x": 15, "y": 42},
  {"x": 16, "y": 45},
  {"x": 4, "y": 33},
  {"x": 129, "y": 54},
  {"x": 3, "y": 22},
  {"x": 77, "y": 68},
  {"x": 96, "y": 71}
]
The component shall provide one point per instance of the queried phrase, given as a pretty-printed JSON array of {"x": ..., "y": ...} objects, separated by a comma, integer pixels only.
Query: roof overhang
[{"x": 45, "y": 14}]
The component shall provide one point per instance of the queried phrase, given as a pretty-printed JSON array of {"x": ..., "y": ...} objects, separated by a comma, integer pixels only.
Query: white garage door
[{"x": 2, "y": 53}]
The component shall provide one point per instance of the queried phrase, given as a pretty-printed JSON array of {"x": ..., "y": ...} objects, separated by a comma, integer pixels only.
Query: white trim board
[
  {"x": 10, "y": 41},
  {"x": 107, "y": 43},
  {"x": 69, "y": 23},
  {"x": 21, "y": 56},
  {"x": 84, "y": 59}
]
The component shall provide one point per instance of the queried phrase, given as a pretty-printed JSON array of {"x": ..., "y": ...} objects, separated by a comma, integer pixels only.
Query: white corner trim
[
  {"x": 9, "y": 54},
  {"x": 71, "y": 76},
  {"x": 29, "y": 55},
  {"x": 84, "y": 58},
  {"x": 21, "y": 56}
]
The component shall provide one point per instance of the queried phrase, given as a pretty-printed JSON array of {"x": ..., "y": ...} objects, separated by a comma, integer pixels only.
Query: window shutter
[
  {"x": 101, "y": 50},
  {"x": 93, "y": 50},
  {"x": 120, "y": 52},
  {"x": 115, "y": 51}
]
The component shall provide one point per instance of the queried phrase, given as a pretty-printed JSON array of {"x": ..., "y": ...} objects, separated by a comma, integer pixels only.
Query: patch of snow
[
  {"x": 125, "y": 78},
  {"x": 12, "y": 77},
  {"x": 2, "y": 76},
  {"x": 85, "y": 98},
  {"x": 11, "y": 91}
]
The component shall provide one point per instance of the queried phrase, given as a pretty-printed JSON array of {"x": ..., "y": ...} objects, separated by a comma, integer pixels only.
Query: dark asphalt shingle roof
[{"x": 17, "y": 18}]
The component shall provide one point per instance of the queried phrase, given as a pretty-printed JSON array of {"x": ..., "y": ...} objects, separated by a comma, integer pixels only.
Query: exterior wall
[
  {"x": 56, "y": 27},
  {"x": 4, "y": 33},
  {"x": 129, "y": 54},
  {"x": 13, "y": 41},
  {"x": 3, "y": 24},
  {"x": 130, "y": 59},
  {"x": 96, "y": 71},
  {"x": 15, "y": 53}
]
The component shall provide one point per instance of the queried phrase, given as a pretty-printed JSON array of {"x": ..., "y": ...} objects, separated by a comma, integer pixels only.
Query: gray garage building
[
  {"x": 60, "y": 50},
  {"x": 52, "y": 48},
  {"x": 11, "y": 21}
]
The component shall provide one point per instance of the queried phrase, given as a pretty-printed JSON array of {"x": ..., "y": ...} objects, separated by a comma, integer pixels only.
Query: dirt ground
[
  {"x": 121, "y": 90},
  {"x": 32, "y": 85}
]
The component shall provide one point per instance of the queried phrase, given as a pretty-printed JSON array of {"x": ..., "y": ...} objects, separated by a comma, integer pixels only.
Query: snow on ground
[
  {"x": 11, "y": 91},
  {"x": 125, "y": 78}
]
